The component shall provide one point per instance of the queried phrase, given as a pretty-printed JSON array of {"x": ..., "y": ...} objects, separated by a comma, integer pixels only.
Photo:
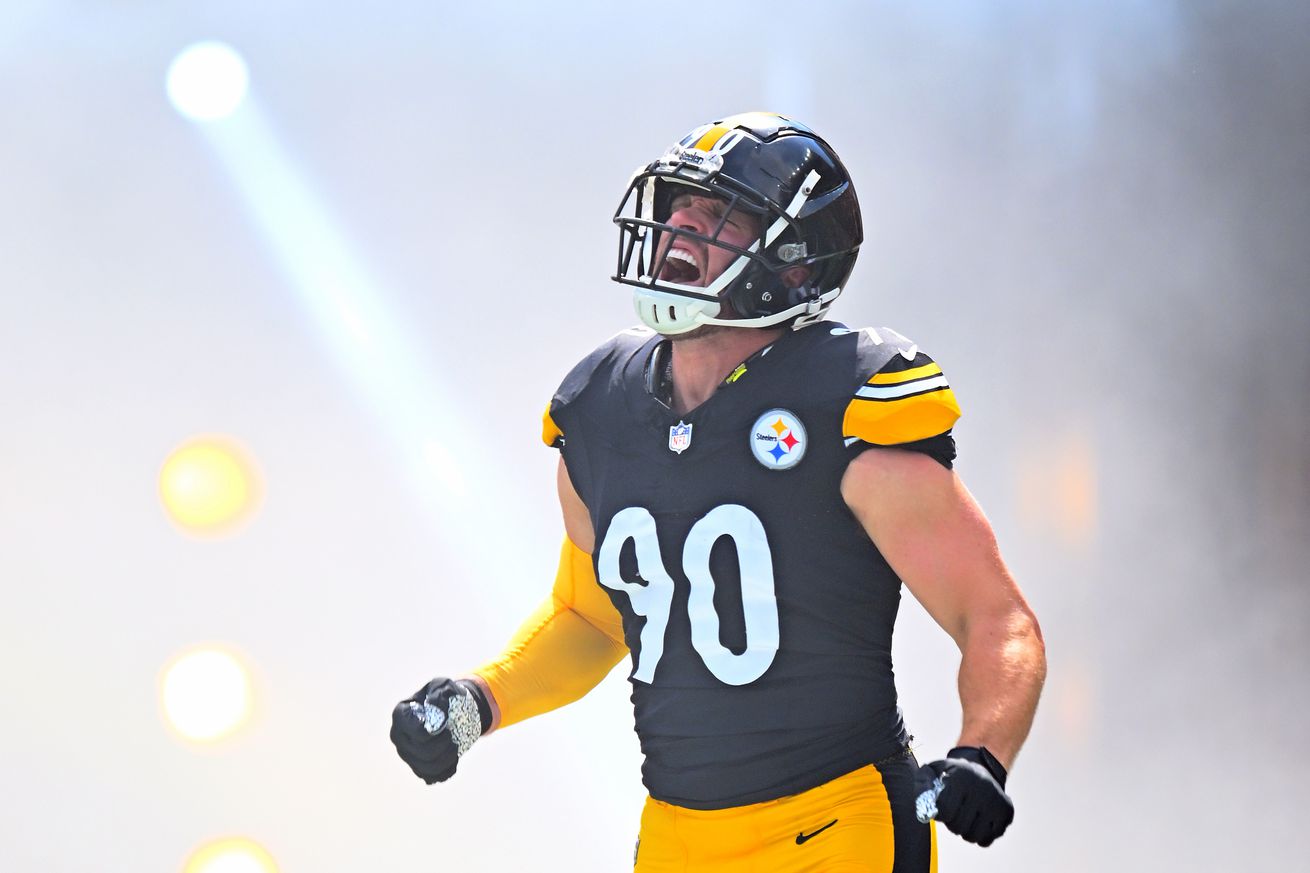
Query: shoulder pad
[
  {"x": 602, "y": 365},
  {"x": 903, "y": 396}
]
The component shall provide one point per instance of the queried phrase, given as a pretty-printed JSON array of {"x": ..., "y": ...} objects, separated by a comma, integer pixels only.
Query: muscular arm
[
  {"x": 568, "y": 644},
  {"x": 932, "y": 533}
]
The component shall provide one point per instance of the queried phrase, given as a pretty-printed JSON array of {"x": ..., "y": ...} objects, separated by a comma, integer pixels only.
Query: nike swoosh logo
[{"x": 802, "y": 837}]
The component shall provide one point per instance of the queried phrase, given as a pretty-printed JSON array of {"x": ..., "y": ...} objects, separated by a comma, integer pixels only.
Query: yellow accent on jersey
[
  {"x": 562, "y": 651},
  {"x": 905, "y": 375},
  {"x": 763, "y": 836},
  {"x": 903, "y": 420},
  {"x": 710, "y": 137},
  {"x": 549, "y": 429}
]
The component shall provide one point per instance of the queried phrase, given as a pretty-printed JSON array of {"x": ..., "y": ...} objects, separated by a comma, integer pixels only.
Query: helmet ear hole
[{"x": 795, "y": 277}]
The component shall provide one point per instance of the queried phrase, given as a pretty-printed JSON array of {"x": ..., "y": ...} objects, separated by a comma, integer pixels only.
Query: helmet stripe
[{"x": 710, "y": 137}]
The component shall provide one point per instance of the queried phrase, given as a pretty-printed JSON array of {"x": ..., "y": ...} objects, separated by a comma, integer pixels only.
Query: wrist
[
  {"x": 486, "y": 713},
  {"x": 981, "y": 755}
]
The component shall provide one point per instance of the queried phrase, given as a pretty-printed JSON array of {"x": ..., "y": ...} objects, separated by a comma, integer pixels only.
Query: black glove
[
  {"x": 966, "y": 792},
  {"x": 435, "y": 727}
]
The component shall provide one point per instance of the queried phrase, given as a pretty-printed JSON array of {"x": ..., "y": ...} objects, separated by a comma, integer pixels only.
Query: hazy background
[{"x": 1095, "y": 216}]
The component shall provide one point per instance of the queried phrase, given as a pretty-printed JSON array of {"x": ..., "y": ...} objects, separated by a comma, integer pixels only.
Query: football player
[{"x": 745, "y": 488}]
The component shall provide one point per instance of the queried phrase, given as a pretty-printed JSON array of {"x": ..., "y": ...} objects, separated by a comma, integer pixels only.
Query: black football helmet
[{"x": 775, "y": 168}]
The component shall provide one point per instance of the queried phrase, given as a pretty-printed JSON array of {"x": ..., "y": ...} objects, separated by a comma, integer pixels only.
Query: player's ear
[{"x": 794, "y": 277}]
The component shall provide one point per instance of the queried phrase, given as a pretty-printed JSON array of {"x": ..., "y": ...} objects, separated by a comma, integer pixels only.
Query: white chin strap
[{"x": 672, "y": 314}]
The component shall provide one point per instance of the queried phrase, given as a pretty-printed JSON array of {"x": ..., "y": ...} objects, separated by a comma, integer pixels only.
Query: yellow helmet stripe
[{"x": 710, "y": 137}]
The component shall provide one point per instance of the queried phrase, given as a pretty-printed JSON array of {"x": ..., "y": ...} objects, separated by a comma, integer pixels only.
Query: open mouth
[{"x": 680, "y": 267}]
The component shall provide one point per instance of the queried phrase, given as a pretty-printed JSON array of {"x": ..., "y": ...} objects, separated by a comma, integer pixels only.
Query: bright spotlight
[
  {"x": 231, "y": 855},
  {"x": 209, "y": 485},
  {"x": 205, "y": 695},
  {"x": 207, "y": 81}
]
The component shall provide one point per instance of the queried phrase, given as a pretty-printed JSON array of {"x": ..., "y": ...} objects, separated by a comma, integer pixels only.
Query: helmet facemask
[{"x": 672, "y": 296}]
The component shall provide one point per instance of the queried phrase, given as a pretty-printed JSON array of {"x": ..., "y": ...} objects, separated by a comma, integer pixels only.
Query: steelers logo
[{"x": 778, "y": 439}]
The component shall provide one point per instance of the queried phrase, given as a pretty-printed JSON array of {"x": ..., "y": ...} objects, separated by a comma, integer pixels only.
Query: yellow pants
[{"x": 842, "y": 826}]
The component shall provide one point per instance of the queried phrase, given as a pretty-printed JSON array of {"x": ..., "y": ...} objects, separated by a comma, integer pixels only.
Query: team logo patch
[
  {"x": 778, "y": 439},
  {"x": 680, "y": 437}
]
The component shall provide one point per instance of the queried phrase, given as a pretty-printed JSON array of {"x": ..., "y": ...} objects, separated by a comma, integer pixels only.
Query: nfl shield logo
[{"x": 680, "y": 437}]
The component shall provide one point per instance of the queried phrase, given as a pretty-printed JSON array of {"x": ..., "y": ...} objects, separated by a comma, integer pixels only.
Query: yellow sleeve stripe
[
  {"x": 904, "y": 389},
  {"x": 905, "y": 375},
  {"x": 901, "y": 420},
  {"x": 550, "y": 431}
]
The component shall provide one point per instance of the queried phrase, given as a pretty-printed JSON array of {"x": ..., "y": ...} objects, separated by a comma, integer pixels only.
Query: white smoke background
[
  {"x": 1124, "y": 264},
  {"x": 1094, "y": 215}
]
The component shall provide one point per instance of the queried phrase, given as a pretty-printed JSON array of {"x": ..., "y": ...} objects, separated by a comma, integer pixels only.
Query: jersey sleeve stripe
[
  {"x": 550, "y": 432},
  {"x": 905, "y": 375},
  {"x": 891, "y": 421},
  {"x": 892, "y": 392}
]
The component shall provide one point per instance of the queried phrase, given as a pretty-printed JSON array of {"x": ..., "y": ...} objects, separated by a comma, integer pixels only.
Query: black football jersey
[{"x": 757, "y": 610}]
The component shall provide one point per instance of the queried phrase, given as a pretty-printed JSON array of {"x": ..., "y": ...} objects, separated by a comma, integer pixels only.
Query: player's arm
[
  {"x": 564, "y": 649},
  {"x": 577, "y": 518},
  {"x": 935, "y": 537},
  {"x": 570, "y": 643}
]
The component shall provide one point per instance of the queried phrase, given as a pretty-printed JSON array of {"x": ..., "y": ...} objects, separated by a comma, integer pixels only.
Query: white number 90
[{"x": 654, "y": 599}]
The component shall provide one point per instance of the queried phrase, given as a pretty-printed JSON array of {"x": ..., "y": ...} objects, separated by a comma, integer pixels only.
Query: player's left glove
[
  {"x": 435, "y": 727},
  {"x": 966, "y": 792}
]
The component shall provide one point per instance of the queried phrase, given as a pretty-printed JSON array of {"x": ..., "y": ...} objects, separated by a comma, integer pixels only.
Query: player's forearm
[
  {"x": 554, "y": 659},
  {"x": 1002, "y": 668}
]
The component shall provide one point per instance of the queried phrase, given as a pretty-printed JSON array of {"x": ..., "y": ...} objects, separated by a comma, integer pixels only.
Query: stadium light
[
  {"x": 231, "y": 855},
  {"x": 205, "y": 695},
  {"x": 207, "y": 81},
  {"x": 209, "y": 486}
]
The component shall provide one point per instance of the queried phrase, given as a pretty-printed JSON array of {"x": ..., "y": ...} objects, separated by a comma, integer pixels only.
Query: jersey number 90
[{"x": 654, "y": 599}]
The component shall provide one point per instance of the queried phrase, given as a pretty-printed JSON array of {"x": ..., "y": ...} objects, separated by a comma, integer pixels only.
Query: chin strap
[{"x": 804, "y": 313}]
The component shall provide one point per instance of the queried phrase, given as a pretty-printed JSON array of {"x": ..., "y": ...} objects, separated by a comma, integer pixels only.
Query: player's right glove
[
  {"x": 435, "y": 727},
  {"x": 966, "y": 792}
]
